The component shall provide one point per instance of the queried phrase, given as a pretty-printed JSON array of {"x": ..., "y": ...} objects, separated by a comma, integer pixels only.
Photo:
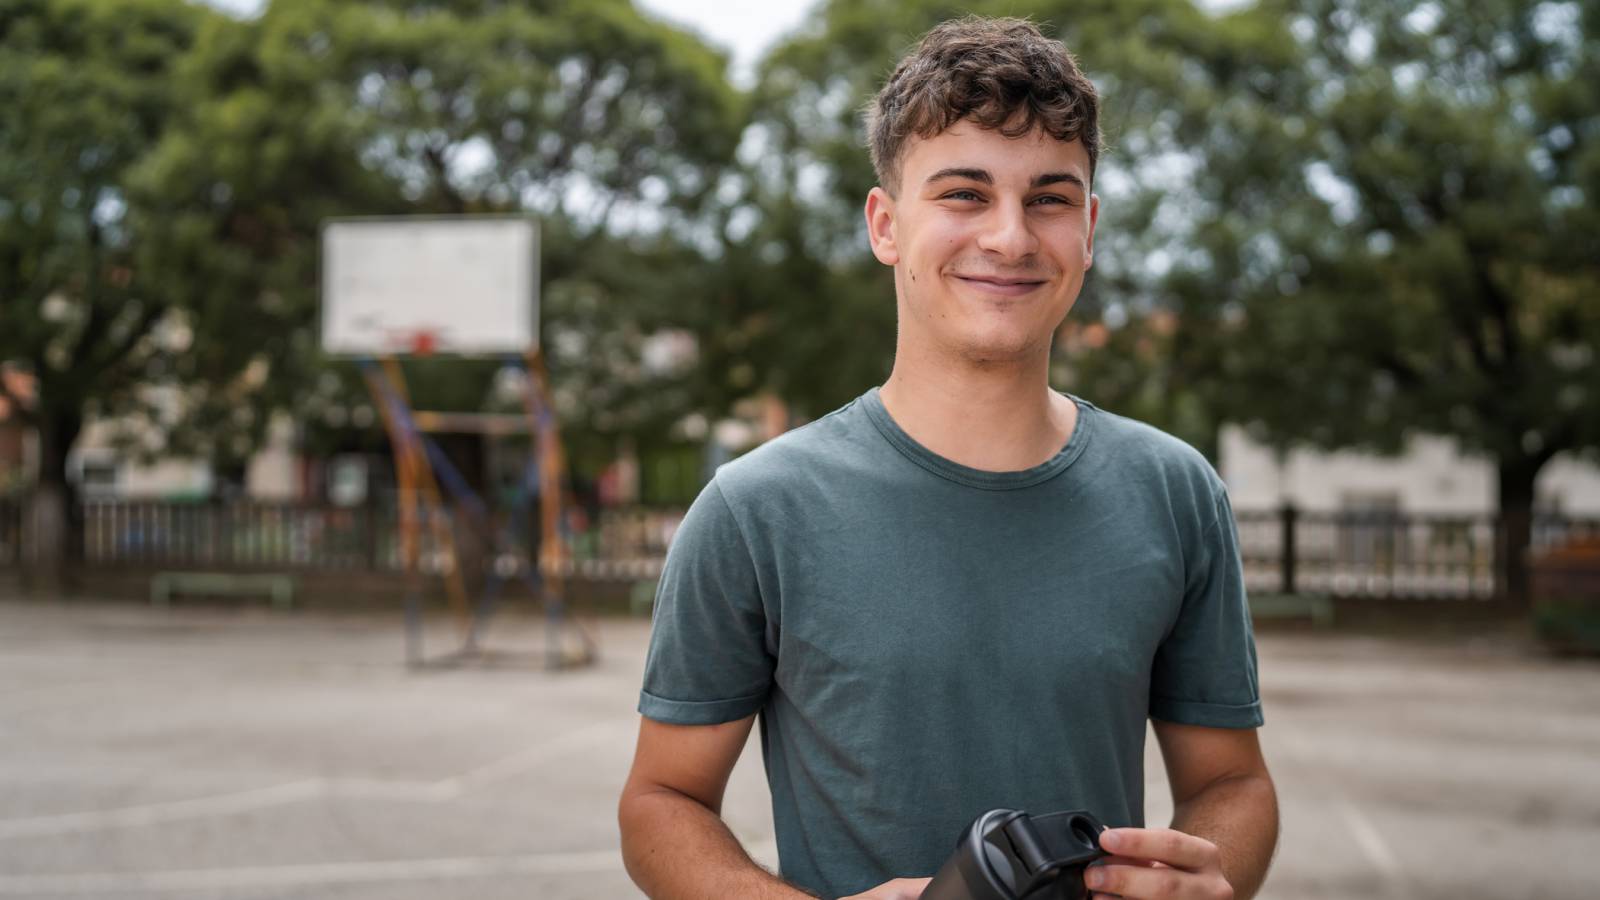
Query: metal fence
[
  {"x": 626, "y": 542},
  {"x": 240, "y": 535},
  {"x": 11, "y": 507},
  {"x": 1366, "y": 554},
  {"x": 1284, "y": 551}
]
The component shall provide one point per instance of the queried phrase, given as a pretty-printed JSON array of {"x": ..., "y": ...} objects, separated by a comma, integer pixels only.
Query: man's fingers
[
  {"x": 1176, "y": 849},
  {"x": 1138, "y": 881},
  {"x": 1124, "y": 861}
]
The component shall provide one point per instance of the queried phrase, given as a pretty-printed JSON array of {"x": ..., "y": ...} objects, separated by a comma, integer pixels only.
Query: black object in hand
[{"x": 1006, "y": 854}]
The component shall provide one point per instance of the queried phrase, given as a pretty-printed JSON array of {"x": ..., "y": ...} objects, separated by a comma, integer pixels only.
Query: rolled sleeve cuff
[
  {"x": 698, "y": 712},
  {"x": 1209, "y": 715}
]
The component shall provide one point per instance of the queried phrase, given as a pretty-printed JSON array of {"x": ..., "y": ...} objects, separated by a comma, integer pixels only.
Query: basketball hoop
[
  {"x": 423, "y": 342},
  {"x": 457, "y": 287},
  {"x": 470, "y": 282}
]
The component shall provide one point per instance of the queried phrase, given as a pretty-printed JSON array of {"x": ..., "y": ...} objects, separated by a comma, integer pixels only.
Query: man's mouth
[{"x": 1001, "y": 285}]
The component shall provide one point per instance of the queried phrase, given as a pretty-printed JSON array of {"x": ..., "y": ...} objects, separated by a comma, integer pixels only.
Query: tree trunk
[
  {"x": 1516, "y": 478},
  {"x": 54, "y": 516}
]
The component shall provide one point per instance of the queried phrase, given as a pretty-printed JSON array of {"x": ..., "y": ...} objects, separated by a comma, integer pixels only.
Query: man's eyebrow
[
  {"x": 1049, "y": 178},
  {"x": 982, "y": 176},
  {"x": 979, "y": 175}
]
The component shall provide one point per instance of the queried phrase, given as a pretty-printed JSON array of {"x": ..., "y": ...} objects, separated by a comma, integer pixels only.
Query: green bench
[
  {"x": 279, "y": 587},
  {"x": 1316, "y": 607}
]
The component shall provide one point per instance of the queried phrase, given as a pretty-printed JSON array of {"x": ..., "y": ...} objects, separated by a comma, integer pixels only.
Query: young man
[{"x": 963, "y": 590}]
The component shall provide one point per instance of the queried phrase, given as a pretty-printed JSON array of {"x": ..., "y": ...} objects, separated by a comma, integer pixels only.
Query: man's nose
[{"x": 1006, "y": 232}]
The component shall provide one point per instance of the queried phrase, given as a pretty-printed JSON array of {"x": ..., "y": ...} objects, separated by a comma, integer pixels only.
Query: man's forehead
[{"x": 965, "y": 146}]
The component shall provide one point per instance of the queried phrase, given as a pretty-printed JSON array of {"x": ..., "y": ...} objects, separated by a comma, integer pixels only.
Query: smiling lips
[{"x": 1000, "y": 285}]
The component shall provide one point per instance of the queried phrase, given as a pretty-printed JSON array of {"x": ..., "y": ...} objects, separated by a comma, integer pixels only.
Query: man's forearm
[
  {"x": 674, "y": 847},
  {"x": 1240, "y": 816}
]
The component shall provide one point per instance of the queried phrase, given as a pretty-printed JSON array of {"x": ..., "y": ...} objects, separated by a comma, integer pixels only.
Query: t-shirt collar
[{"x": 981, "y": 478}]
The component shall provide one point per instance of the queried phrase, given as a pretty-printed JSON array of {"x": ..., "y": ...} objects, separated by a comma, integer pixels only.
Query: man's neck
[{"x": 998, "y": 418}]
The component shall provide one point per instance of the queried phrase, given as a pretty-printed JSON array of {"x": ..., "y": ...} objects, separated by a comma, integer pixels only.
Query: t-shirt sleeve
[
  {"x": 1205, "y": 669},
  {"x": 708, "y": 660}
]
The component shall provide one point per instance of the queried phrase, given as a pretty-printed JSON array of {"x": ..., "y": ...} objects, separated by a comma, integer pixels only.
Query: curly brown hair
[{"x": 1001, "y": 73}]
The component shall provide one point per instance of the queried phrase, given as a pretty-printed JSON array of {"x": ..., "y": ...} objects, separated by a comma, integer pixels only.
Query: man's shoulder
[
  {"x": 1142, "y": 450},
  {"x": 796, "y": 457}
]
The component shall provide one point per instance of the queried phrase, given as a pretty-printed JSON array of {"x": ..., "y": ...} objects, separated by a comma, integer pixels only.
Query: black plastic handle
[
  {"x": 1006, "y": 854},
  {"x": 1049, "y": 846}
]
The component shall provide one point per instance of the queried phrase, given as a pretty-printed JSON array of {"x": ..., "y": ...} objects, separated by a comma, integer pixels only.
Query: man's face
[{"x": 989, "y": 238}]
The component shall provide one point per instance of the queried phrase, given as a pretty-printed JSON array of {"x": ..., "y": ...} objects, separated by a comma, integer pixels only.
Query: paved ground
[{"x": 245, "y": 754}]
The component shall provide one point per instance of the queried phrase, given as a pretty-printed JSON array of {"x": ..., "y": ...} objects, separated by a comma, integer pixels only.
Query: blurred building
[
  {"x": 1431, "y": 477},
  {"x": 124, "y": 459},
  {"x": 106, "y": 464}
]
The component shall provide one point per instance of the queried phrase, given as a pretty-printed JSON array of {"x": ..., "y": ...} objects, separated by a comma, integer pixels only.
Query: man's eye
[
  {"x": 962, "y": 195},
  {"x": 1052, "y": 199}
]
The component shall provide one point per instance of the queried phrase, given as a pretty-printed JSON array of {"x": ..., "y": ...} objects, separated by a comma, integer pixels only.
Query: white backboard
[{"x": 469, "y": 282}]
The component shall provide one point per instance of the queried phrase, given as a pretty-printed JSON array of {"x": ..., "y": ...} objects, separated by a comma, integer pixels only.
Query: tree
[
  {"x": 87, "y": 91},
  {"x": 165, "y": 170},
  {"x": 609, "y": 127},
  {"x": 1402, "y": 223}
]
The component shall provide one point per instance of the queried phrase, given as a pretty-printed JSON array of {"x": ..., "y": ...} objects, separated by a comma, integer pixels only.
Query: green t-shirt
[{"x": 927, "y": 641}]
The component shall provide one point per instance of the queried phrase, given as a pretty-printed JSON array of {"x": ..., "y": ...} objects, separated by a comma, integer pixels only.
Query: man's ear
[
  {"x": 880, "y": 226},
  {"x": 1094, "y": 217}
]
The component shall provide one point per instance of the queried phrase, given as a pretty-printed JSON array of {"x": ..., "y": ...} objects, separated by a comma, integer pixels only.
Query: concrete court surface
[{"x": 241, "y": 753}]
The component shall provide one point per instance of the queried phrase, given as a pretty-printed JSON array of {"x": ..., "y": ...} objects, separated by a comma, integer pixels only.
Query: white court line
[
  {"x": 517, "y": 763},
  {"x": 307, "y": 874},
  {"x": 764, "y": 852},
  {"x": 439, "y": 791},
  {"x": 322, "y": 874},
  {"x": 1366, "y": 835},
  {"x": 1371, "y": 842},
  {"x": 129, "y": 816}
]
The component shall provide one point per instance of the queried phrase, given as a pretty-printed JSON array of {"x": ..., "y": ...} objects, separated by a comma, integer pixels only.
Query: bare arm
[
  {"x": 674, "y": 842},
  {"x": 1224, "y": 822},
  {"x": 1221, "y": 791}
]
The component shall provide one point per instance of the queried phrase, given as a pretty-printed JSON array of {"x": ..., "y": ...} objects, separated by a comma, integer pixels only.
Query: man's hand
[
  {"x": 1156, "y": 863},
  {"x": 898, "y": 889}
]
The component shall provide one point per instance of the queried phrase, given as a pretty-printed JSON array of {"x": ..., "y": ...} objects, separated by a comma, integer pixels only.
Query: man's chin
[{"x": 999, "y": 350}]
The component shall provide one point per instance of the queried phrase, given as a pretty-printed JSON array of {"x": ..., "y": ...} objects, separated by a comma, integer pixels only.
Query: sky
[{"x": 746, "y": 30}]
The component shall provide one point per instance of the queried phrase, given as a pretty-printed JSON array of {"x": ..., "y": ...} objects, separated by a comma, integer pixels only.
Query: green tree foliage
[
  {"x": 1334, "y": 221},
  {"x": 230, "y": 203},
  {"x": 1402, "y": 226},
  {"x": 87, "y": 92},
  {"x": 607, "y": 126},
  {"x": 165, "y": 171}
]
